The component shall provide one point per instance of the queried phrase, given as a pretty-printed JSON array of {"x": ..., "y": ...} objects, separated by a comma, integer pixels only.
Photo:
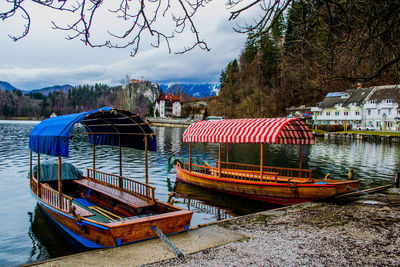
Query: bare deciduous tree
[{"x": 139, "y": 17}]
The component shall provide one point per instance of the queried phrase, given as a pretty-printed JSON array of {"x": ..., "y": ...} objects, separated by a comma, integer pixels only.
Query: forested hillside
[
  {"x": 312, "y": 48},
  {"x": 78, "y": 99}
]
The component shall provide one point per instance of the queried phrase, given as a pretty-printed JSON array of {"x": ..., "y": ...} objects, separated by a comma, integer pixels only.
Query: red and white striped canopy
[{"x": 270, "y": 131}]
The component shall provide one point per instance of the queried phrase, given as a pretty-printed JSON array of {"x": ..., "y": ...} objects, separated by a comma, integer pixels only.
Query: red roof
[
  {"x": 168, "y": 97},
  {"x": 272, "y": 131}
]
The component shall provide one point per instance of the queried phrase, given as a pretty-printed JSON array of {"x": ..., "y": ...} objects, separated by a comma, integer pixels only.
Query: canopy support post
[
  {"x": 59, "y": 184},
  {"x": 190, "y": 157},
  {"x": 227, "y": 152},
  {"x": 219, "y": 160},
  {"x": 301, "y": 156},
  {"x": 94, "y": 152},
  {"x": 146, "y": 159},
  {"x": 261, "y": 162},
  {"x": 38, "y": 177},
  {"x": 120, "y": 154}
]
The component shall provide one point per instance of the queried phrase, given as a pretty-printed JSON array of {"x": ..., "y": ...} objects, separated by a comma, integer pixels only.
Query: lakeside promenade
[{"x": 169, "y": 122}]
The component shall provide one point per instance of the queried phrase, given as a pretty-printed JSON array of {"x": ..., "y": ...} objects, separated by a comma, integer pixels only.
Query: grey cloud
[{"x": 36, "y": 62}]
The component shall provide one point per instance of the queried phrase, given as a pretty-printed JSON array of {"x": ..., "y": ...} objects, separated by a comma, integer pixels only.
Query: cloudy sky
[{"x": 45, "y": 58}]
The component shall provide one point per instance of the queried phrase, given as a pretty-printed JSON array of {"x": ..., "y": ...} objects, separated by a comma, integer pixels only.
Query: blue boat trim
[{"x": 67, "y": 215}]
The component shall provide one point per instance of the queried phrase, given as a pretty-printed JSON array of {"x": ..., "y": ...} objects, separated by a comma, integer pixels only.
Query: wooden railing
[
  {"x": 282, "y": 172},
  {"x": 251, "y": 172},
  {"x": 51, "y": 196},
  {"x": 123, "y": 183},
  {"x": 242, "y": 175}
]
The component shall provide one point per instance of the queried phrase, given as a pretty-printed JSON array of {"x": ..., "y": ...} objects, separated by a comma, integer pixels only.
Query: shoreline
[
  {"x": 386, "y": 137},
  {"x": 348, "y": 232},
  {"x": 169, "y": 122}
]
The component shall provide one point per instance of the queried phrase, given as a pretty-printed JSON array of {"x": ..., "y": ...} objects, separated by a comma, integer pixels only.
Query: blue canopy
[{"x": 105, "y": 126}]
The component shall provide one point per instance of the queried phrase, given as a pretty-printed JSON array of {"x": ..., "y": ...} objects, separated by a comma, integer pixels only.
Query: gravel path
[{"x": 361, "y": 232}]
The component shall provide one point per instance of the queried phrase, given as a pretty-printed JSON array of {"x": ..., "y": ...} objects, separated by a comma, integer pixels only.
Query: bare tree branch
[{"x": 140, "y": 18}]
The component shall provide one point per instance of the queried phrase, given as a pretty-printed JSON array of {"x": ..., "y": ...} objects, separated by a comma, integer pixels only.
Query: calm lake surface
[{"x": 26, "y": 236}]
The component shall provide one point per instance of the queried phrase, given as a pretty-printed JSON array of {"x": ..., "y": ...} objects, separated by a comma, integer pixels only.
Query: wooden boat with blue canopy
[
  {"x": 278, "y": 185},
  {"x": 100, "y": 209}
]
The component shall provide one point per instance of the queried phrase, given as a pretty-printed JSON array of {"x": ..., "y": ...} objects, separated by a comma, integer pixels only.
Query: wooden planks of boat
[{"x": 273, "y": 187}]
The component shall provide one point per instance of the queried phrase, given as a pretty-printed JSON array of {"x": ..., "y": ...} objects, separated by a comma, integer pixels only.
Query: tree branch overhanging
[{"x": 141, "y": 19}]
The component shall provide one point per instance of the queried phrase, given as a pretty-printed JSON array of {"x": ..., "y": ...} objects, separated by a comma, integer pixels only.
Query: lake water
[{"x": 26, "y": 236}]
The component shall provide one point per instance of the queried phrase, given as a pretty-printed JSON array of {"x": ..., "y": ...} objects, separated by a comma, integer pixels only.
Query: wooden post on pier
[
  {"x": 351, "y": 174},
  {"x": 397, "y": 180}
]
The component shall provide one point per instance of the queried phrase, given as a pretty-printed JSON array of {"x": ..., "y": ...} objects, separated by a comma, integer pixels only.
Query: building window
[
  {"x": 357, "y": 113},
  {"x": 372, "y": 102},
  {"x": 337, "y": 113},
  {"x": 328, "y": 114},
  {"x": 346, "y": 113},
  {"x": 369, "y": 112},
  {"x": 379, "y": 112},
  {"x": 388, "y": 101},
  {"x": 389, "y": 111}
]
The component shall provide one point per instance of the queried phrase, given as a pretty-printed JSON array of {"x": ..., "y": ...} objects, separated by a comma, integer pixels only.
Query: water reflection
[
  {"x": 46, "y": 238},
  {"x": 218, "y": 205}
]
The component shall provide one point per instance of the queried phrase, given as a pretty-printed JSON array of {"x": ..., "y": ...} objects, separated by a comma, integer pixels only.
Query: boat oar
[
  {"x": 108, "y": 212},
  {"x": 105, "y": 213}
]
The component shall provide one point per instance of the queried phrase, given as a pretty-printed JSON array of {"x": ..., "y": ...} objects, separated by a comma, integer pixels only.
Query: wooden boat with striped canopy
[
  {"x": 100, "y": 209},
  {"x": 283, "y": 186}
]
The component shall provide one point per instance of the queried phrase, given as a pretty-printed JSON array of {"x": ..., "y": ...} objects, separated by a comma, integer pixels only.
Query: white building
[
  {"x": 381, "y": 109},
  {"x": 375, "y": 108},
  {"x": 341, "y": 108},
  {"x": 168, "y": 106}
]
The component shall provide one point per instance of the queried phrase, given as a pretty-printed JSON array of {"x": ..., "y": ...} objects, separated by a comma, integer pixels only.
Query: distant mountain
[
  {"x": 6, "y": 86},
  {"x": 197, "y": 90},
  {"x": 51, "y": 89},
  {"x": 46, "y": 90}
]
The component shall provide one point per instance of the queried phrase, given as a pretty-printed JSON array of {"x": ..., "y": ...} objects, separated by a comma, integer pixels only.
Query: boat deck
[{"x": 116, "y": 193}]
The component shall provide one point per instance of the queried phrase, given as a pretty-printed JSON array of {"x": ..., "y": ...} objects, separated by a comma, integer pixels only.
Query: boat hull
[
  {"x": 92, "y": 234},
  {"x": 277, "y": 193}
]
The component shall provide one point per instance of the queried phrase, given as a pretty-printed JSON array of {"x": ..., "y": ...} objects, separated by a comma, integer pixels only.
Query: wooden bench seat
[
  {"x": 117, "y": 194},
  {"x": 83, "y": 212}
]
